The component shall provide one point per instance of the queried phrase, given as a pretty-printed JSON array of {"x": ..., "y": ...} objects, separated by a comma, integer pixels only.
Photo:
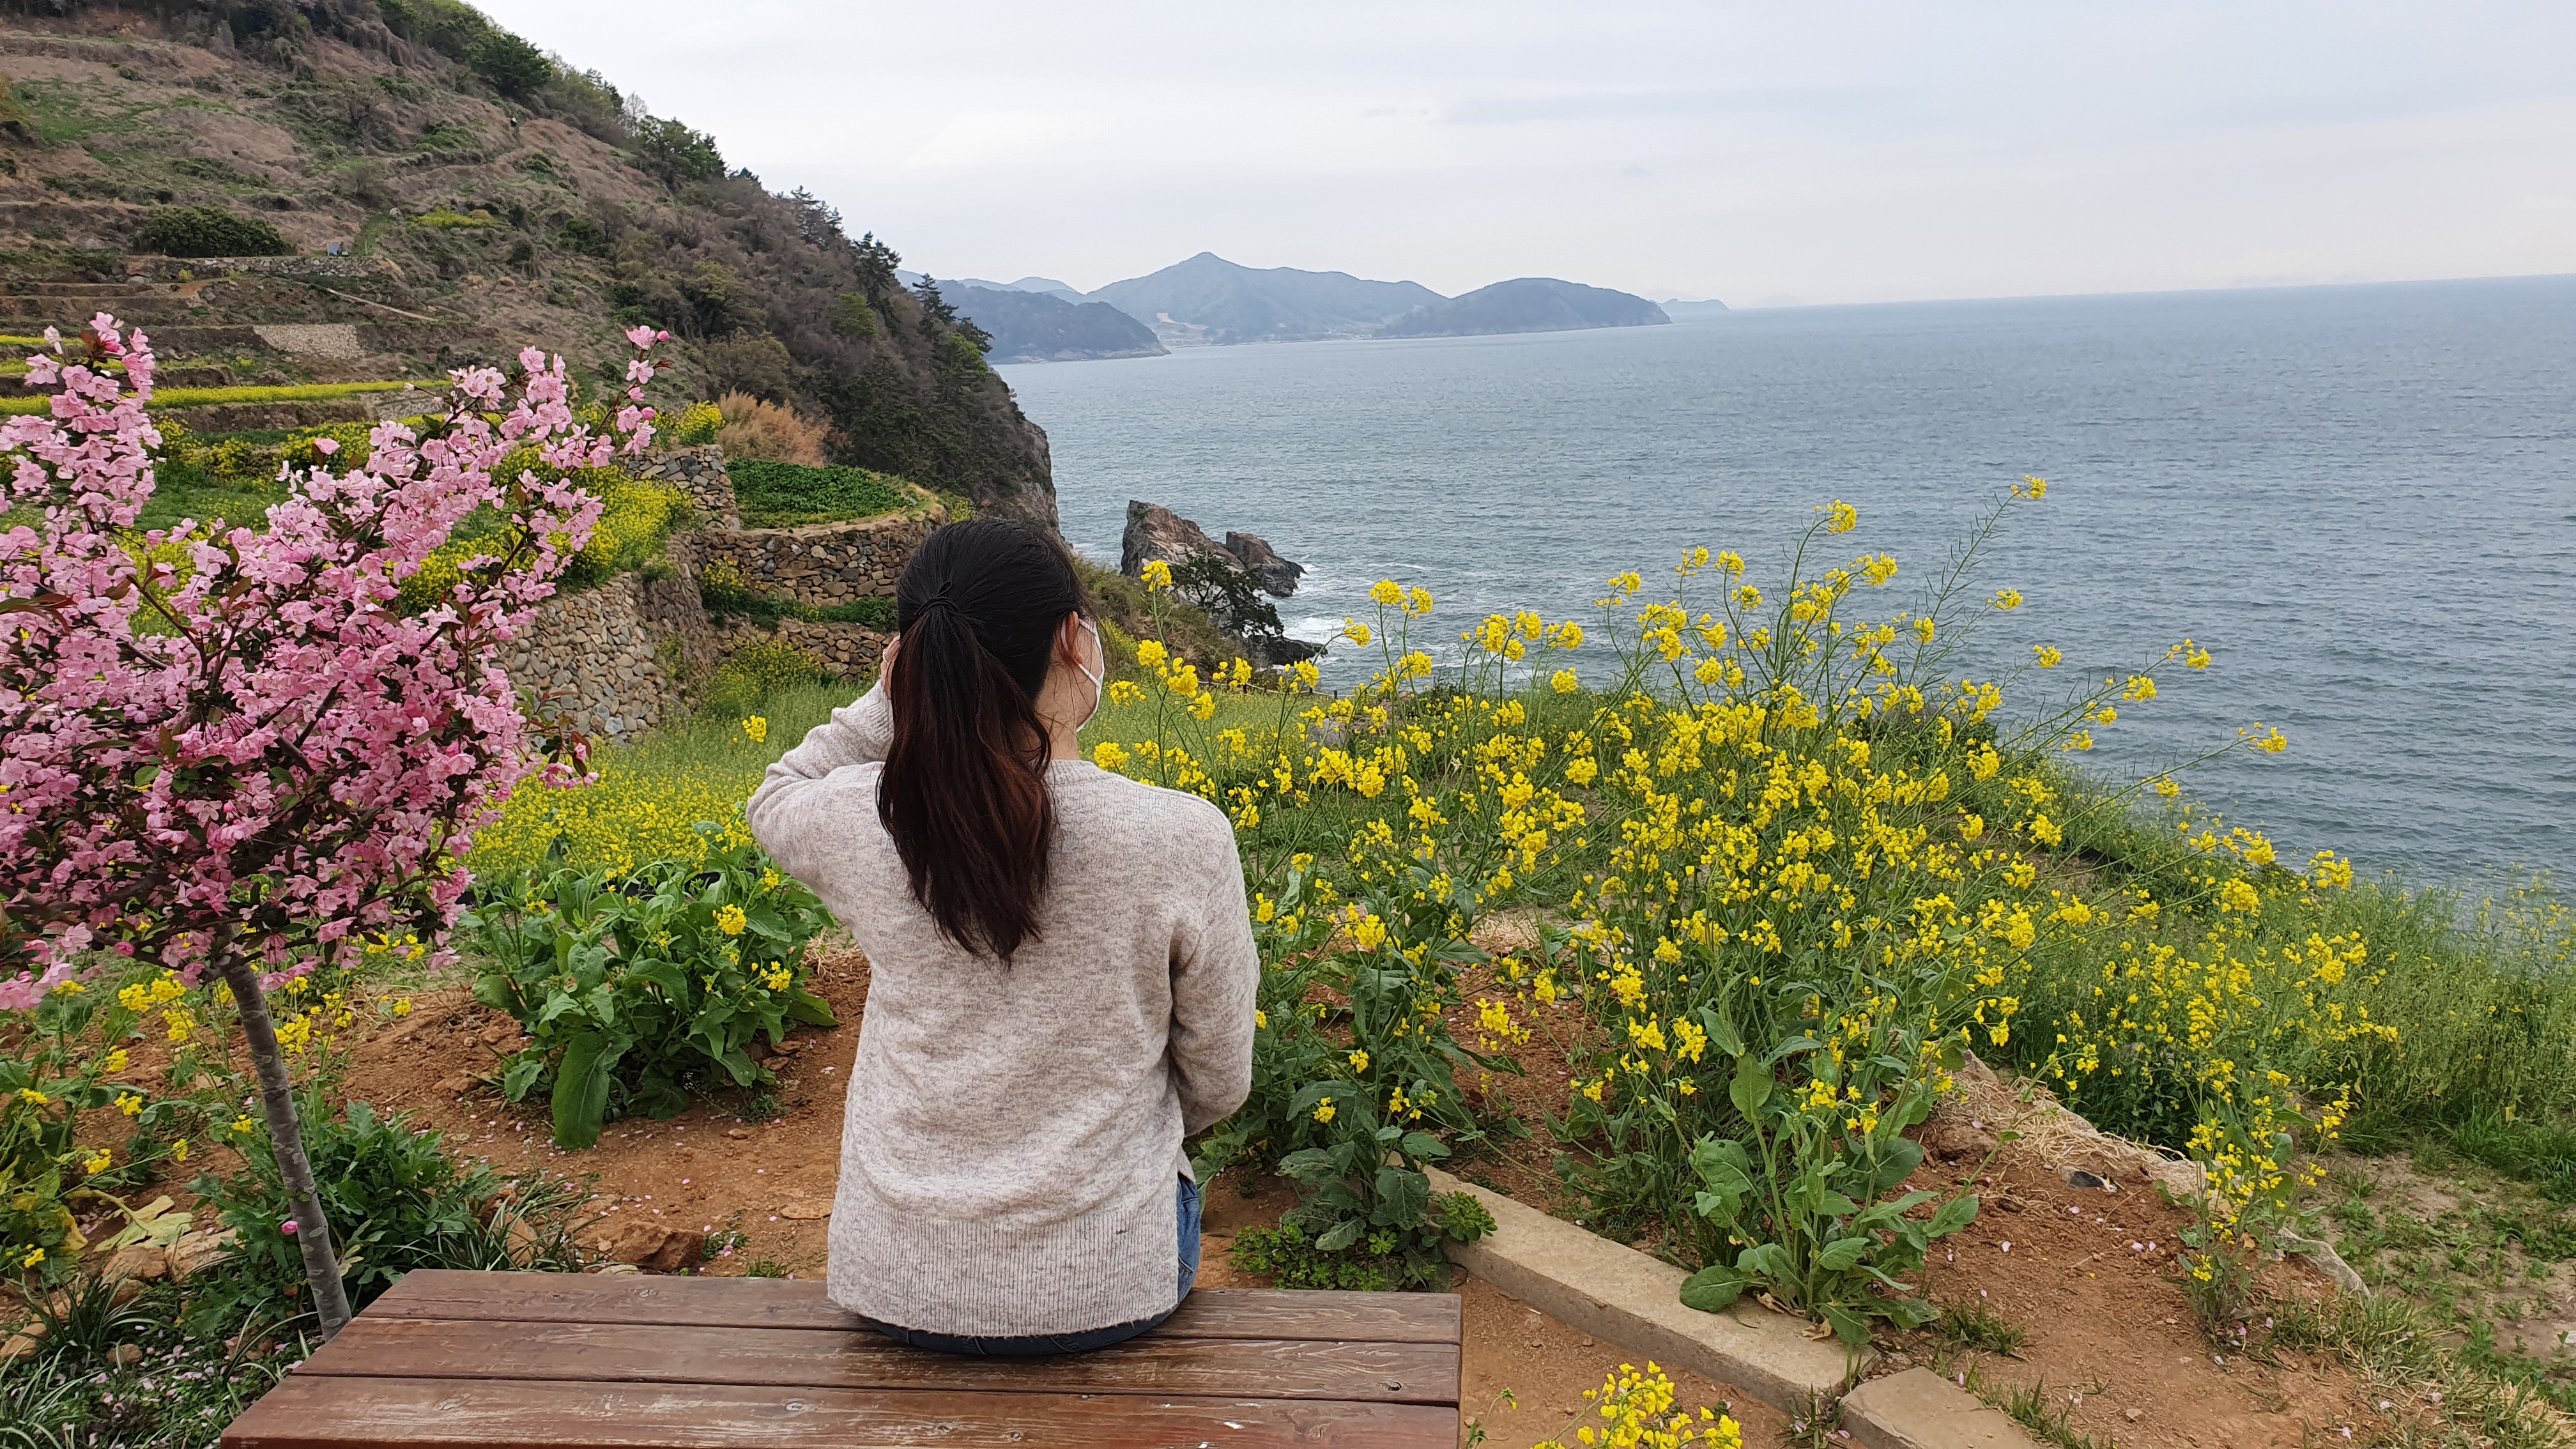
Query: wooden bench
[{"x": 508, "y": 1359}]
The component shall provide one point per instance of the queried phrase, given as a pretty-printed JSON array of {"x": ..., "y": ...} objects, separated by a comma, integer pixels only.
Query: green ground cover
[{"x": 790, "y": 495}]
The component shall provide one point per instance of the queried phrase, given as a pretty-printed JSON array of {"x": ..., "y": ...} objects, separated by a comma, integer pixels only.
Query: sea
[{"x": 2360, "y": 499}]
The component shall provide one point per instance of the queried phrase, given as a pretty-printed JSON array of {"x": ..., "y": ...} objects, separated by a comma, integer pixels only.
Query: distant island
[
  {"x": 1527, "y": 304},
  {"x": 1033, "y": 326},
  {"x": 1208, "y": 301}
]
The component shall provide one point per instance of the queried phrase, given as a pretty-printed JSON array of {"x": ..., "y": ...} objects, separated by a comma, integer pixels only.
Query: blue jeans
[{"x": 1035, "y": 1345}]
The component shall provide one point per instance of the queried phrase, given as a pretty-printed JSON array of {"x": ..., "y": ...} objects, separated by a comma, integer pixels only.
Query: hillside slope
[
  {"x": 1528, "y": 304},
  {"x": 1209, "y": 300},
  {"x": 487, "y": 196}
]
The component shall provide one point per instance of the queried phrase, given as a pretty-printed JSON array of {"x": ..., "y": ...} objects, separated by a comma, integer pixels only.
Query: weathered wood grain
[
  {"x": 791, "y": 1358},
  {"x": 799, "y": 1303},
  {"x": 326, "y": 1412}
]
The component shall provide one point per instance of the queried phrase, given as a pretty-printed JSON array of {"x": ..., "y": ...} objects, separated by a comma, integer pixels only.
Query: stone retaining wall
[
  {"x": 630, "y": 654},
  {"x": 698, "y": 472},
  {"x": 851, "y": 650},
  {"x": 595, "y": 652},
  {"x": 826, "y": 563}
]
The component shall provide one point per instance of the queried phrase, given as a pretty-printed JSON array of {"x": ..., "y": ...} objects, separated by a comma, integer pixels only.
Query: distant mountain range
[
  {"x": 1029, "y": 325},
  {"x": 1209, "y": 301},
  {"x": 1527, "y": 304}
]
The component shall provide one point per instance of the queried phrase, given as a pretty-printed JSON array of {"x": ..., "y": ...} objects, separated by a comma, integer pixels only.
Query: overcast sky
[{"x": 1846, "y": 152}]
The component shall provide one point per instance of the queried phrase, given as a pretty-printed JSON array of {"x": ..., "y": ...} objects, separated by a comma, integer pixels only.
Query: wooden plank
[
  {"x": 797, "y": 1358},
  {"x": 799, "y": 1303},
  {"x": 314, "y": 1412}
]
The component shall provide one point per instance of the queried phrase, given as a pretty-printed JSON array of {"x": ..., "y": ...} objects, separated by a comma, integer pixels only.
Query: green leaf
[
  {"x": 1848, "y": 1326},
  {"x": 1752, "y": 1085},
  {"x": 1340, "y": 1235},
  {"x": 1792, "y": 1047},
  {"x": 1908, "y": 1312},
  {"x": 1713, "y": 1290},
  {"x": 1308, "y": 1165},
  {"x": 522, "y": 1075},
  {"x": 1722, "y": 1034},
  {"x": 811, "y": 1010},
  {"x": 1766, "y": 1260},
  {"x": 1898, "y": 1160},
  {"x": 581, "y": 1089},
  {"x": 1423, "y": 1147},
  {"x": 1955, "y": 1214},
  {"x": 1403, "y": 1196},
  {"x": 1840, "y": 1254},
  {"x": 492, "y": 989}
]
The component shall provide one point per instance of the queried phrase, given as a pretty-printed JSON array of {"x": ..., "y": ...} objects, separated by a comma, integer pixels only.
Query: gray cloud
[{"x": 1870, "y": 150}]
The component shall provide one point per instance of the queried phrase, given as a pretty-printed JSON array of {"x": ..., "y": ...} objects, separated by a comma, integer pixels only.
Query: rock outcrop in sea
[{"x": 1157, "y": 533}]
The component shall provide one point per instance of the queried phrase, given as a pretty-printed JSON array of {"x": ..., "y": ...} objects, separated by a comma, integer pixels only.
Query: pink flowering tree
[{"x": 238, "y": 752}]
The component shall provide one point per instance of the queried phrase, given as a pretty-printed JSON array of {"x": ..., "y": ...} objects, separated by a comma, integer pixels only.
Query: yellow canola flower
[
  {"x": 1156, "y": 575},
  {"x": 1841, "y": 517},
  {"x": 731, "y": 920},
  {"x": 1324, "y": 1110},
  {"x": 755, "y": 729}
]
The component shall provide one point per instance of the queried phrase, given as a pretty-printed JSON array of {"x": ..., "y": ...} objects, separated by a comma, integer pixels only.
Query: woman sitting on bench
[{"x": 1062, "y": 970}]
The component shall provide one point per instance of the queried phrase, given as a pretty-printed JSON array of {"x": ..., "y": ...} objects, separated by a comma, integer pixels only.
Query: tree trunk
[{"x": 286, "y": 1136}]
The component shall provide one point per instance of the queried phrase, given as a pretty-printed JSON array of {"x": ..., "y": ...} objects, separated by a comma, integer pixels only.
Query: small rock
[
  {"x": 2078, "y": 1177},
  {"x": 20, "y": 1345},
  {"x": 125, "y": 1291},
  {"x": 138, "y": 1261},
  {"x": 199, "y": 1250},
  {"x": 2132, "y": 1415},
  {"x": 453, "y": 1084},
  {"x": 125, "y": 1355},
  {"x": 613, "y": 1270},
  {"x": 807, "y": 1209},
  {"x": 1955, "y": 1141},
  {"x": 738, "y": 1134},
  {"x": 656, "y": 1248}
]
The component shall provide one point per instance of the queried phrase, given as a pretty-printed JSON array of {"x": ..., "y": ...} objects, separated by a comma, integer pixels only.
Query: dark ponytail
[{"x": 964, "y": 790}]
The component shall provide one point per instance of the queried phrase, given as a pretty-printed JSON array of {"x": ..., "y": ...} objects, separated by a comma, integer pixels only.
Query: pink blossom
[{"x": 262, "y": 738}]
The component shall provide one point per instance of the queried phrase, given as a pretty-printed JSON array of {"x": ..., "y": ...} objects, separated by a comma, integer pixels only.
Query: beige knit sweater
[{"x": 1012, "y": 1133}]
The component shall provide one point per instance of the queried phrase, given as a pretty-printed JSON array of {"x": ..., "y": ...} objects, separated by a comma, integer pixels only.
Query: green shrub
[
  {"x": 640, "y": 988},
  {"x": 513, "y": 67},
  {"x": 209, "y": 231},
  {"x": 676, "y": 153},
  {"x": 1385, "y": 1259},
  {"x": 696, "y": 424},
  {"x": 397, "y": 1199},
  {"x": 444, "y": 219},
  {"x": 634, "y": 521},
  {"x": 786, "y": 495},
  {"x": 759, "y": 669}
]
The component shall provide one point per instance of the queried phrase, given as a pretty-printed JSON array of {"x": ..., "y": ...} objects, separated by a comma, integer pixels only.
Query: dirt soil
[
  {"x": 2092, "y": 1277},
  {"x": 772, "y": 1182}
]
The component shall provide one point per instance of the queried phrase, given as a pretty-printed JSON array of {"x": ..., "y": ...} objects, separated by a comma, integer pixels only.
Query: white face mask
[{"x": 1096, "y": 687}]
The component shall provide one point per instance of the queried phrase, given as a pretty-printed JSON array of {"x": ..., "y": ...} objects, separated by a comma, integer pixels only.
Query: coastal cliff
[{"x": 479, "y": 194}]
